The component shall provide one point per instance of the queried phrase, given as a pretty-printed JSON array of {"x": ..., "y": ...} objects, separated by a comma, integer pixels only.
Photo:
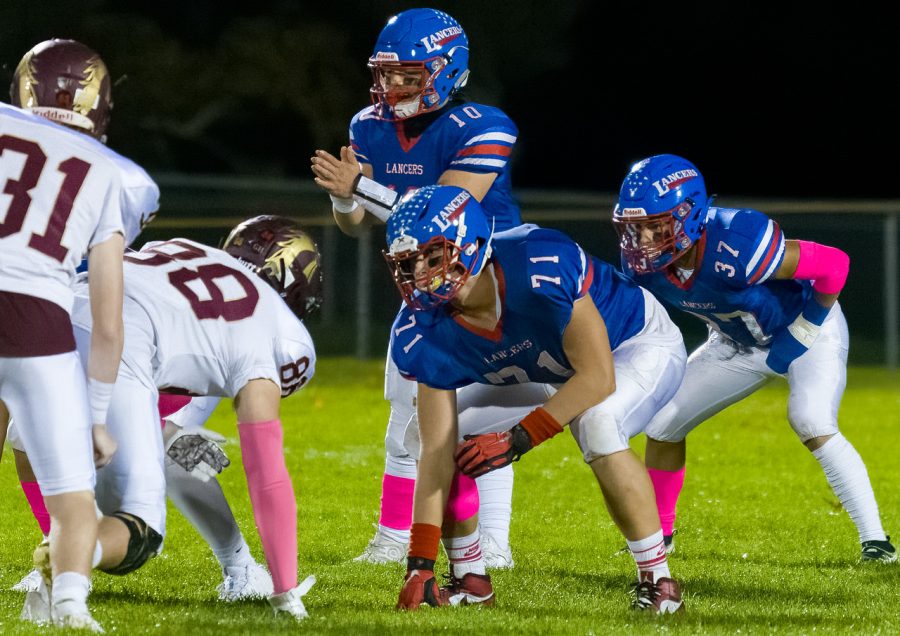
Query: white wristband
[
  {"x": 99, "y": 397},
  {"x": 342, "y": 205}
]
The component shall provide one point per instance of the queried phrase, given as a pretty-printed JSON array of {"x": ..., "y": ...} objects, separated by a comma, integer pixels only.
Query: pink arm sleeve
[
  {"x": 272, "y": 496},
  {"x": 827, "y": 266}
]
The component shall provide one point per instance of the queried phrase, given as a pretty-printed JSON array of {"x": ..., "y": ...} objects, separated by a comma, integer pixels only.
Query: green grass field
[{"x": 763, "y": 546}]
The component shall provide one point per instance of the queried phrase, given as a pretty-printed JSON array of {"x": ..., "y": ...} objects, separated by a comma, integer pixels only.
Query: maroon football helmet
[
  {"x": 65, "y": 81},
  {"x": 284, "y": 256}
]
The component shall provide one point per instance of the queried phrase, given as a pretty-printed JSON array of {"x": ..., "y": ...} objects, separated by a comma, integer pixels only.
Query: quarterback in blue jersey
[
  {"x": 420, "y": 131},
  {"x": 771, "y": 306},
  {"x": 518, "y": 307}
]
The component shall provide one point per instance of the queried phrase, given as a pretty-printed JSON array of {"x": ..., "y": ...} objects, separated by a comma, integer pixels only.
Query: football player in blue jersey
[
  {"x": 420, "y": 131},
  {"x": 771, "y": 306},
  {"x": 524, "y": 306}
]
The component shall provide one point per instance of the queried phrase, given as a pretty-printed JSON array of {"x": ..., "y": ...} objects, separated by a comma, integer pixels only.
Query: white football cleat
[
  {"x": 29, "y": 583},
  {"x": 494, "y": 556},
  {"x": 291, "y": 601},
  {"x": 245, "y": 582},
  {"x": 80, "y": 620},
  {"x": 384, "y": 549}
]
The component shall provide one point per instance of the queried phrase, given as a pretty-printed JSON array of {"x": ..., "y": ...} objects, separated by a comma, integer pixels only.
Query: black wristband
[
  {"x": 520, "y": 441},
  {"x": 419, "y": 563}
]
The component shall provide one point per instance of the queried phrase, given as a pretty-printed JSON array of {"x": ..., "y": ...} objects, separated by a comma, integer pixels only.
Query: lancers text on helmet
[
  {"x": 434, "y": 41},
  {"x": 452, "y": 210},
  {"x": 665, "y": 185}
]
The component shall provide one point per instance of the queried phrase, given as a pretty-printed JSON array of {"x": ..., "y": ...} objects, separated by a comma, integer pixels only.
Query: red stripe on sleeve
[{"x": 486, "y": 149}]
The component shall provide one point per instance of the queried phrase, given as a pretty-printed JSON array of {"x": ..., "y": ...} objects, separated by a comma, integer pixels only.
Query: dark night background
[{"x": 769, "y": 101}]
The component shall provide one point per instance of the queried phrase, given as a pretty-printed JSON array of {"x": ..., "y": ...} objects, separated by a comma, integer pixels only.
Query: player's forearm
[
  {"x": 106, "y": 351},
  {"x": 580, "y": 392},
  {"x": 272, "y": 496},
  {"x": 352, "y": 223}
]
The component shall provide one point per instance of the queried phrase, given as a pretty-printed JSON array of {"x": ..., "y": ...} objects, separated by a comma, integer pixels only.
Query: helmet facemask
[
  {"x": 431, "y": 274},
  {"x": 405, "y": 89},
  {"x": 652, "y": 243}
]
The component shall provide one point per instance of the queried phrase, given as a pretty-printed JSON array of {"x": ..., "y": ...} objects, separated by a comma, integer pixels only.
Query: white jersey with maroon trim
[
  {"x": 216, "y": 325},
  {"x": 61, "y": 193}
]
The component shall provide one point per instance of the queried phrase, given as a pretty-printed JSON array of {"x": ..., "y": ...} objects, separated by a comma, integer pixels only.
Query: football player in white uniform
[
  {"x": 64, "y": 195},
  {"x": 204, "y": 321}
]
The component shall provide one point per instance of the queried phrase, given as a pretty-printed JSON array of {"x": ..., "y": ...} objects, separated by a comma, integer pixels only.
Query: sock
[
  {"x": 667, "y": 485},
  {"x": 464, "y": 554},
  {"x": 847, "y": 476},
  {"x": 36, "y": 501},
  {"x": 70, "y": 590},
  {"x": 397, "y": 488},
  {"x": 650, "y": 557},
  {"x": 495, "y": 511},
  {"x": 204, "y": 505}
]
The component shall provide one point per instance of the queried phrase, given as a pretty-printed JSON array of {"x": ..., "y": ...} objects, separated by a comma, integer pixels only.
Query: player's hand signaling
[
  {"x": 336, "y": 176},
  {"x": 104, "y": 445}
]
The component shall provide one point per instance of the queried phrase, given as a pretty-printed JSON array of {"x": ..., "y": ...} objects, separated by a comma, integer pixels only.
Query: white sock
[
  {"x": 237, "y": 555},
  {"x": 495, "y": 508},
  {"x": 650, "y": 557},
  {"x": 464, "y": 554},
  {"x": 70, "y": 590},
  {"x": 847, "y": 476}
]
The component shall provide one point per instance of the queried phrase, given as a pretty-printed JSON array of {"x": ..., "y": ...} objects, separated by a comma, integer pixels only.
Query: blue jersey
[
  {"x": 540, "y": 274},
  {"x": 732, "y": 287},
  {"x": 466, "y": 137}
]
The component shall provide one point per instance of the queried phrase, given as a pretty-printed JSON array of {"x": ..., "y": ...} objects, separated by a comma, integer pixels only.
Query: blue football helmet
[
  {"x": 661, "y": 212},
  {"x": 421, "y": 59},
  {"x": 437, "y": 238}
]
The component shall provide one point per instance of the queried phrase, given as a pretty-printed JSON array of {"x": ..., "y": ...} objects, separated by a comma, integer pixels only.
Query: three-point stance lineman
[
  {"x": 771, "y": 306},
  {"x": 204, "y": 321},
  {"x": 526, "y": 305},
  {"x": 421, "y": 131}
]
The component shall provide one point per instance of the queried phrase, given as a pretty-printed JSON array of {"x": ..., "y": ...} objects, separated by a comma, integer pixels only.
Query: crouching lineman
[
  {"x": 771, "y": 306},
  {"x": 210, "y": 322},
  {"x": 65, "y": 195},
  {"x": 526, "y": 305},
  {"x": 193, "y": 460}
]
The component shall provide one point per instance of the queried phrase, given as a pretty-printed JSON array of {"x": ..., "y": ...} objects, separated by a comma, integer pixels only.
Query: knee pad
[
  {"x": 597, "y": 433},
  {"x": 143, "y": 543}
]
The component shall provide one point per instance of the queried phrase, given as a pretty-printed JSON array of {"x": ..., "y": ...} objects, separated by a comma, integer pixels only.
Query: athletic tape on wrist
[
  {"x": 99, "y": 397},
  {"x": 342, "y": 205}
]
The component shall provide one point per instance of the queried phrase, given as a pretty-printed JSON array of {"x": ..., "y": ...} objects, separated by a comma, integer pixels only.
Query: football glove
[
  {"x": 291, "y": 602},
  {"x": 480, "y": 454},
  {"x": 198, "y": 452},
  {"x": 419, "y": 587}
]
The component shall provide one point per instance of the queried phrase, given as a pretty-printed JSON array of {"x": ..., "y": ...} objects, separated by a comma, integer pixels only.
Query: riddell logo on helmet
[
  {"x": 667, "y": 184},
  {"x": 435, "y": 41},
  {"x": 385, "y": 56},
  {"x": 632, "y": 212},
  {"x": 445, "y": 217}
]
